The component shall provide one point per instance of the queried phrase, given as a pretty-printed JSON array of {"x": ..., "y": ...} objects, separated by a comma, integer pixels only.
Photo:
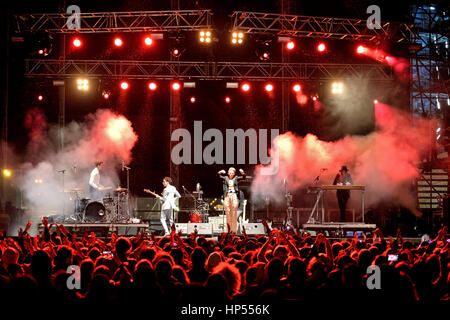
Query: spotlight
[
  {"x": 205, "y": 36},
  {"x": 41, "y": 51},
  {"x": 237, "y": 37},
  {"x": 83, "y": 84},
  {"x": 118, "y": 42},
  {"x": 361, "y": 49},
  {"x": 321, "y": 47},
  {"x": 192, "y": 99},
  {"x": 263, "y": 50},
  {"x": 375, "y": 101},
  {"x": 268, "y": 87},
  {"x": 227, "y": 99},
  {"x": 76, "y": 43},
  {"x": 245, "y": 87},
  {"x": 124, "y": 85},
  {"x": 314, "y": 98},
  {"x": 148, "y": 41},
  {"x": 7, "y": 173},
  {"x": 290, "y": 45},
  {"x": 296, "y": 87},
  {"x": 152, "y": 86},
  {"x": 106, "y": 94},
  {"x": 40, "y": 97},
  {"x": 337, "y": 88},
  {"x": 176, "y": 86},
  {"x": 175, "y": 52}
]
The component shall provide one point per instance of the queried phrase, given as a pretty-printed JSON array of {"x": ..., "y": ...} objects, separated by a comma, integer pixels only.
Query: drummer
[{"x": 96, "y": 190}]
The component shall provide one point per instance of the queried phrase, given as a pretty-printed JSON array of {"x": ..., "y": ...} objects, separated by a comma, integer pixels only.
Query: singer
[
  {"x": 95, "y": 188},
  {"x": 230, "y": 193}
]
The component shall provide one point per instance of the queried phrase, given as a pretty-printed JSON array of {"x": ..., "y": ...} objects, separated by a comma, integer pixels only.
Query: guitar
[{"x": 152, "y": 193}]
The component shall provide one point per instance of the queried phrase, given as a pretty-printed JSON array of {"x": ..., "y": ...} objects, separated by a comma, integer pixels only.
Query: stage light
[
  {"x": 245, "y": 87},
  {"x": 124, "y": 85},
  {"x": 296, "y": 87},
  {"x": 375, "y": 101},
  {"x": 41, "y": 51},
  {"x": 205, "y": 36},
  {"x": 76, "y": 43},
  {"x": 176, "y": 86},
  {"x": 175, "y": 52},
  {"x": 314, "y": 98},
  {"x": 118, "y": 42},
  {"x": 148, "y": 41},
  {"x": 227, "y": 99},
  {"x": 192, "y": 99},
  {"x": 438, "y": 129},
  {"x": 40, "y": 97},
  {"x": 290, "y": 45},
  {"x": 361, "y": 49},
  {"x": 268, "y": 87},
  {"x": 321, "y": 47},
  {"x": 83, "y": 84},
  {"x": 237, "y": 37},
  {"x": 152, "y": 86},
  {"x": 337, "y": 88},
  {"x": 263, "y": 50},
  {"x": 7, "y": 173},
  {"x": 106, "y": 94}
]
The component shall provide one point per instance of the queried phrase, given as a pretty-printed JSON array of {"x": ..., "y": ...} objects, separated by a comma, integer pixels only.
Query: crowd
[{"x": 291, "y": 269}]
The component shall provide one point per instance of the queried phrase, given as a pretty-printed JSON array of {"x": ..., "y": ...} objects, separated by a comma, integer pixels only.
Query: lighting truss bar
[
  {"x": 200, "y": 70},
  {"x": 315, "y": 27},
  {"x": 132, "y": 21}
]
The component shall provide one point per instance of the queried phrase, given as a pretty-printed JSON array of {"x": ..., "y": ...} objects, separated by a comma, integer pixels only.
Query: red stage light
[
  {"x": 296, "y": 87},
  {"x": 290, "y": 45},
  {"x": 118, "y": 42},
  {"x": 124, "y": 85},
  {"x": 361, "y": 49},
  {"x": 41, "y": 51},
  {"x": 314, "y": 98},
  {"x": 176, "y": 86},
  {"x": 106, "y": 95},
  {"x": 269, "y": 87},
  {"x": 152, "y": 86},
  {"x": 321, "y": 47},
  {"x": 148, "y": 41},
  {"x": 227, "y": 99},
  {"x": 76, "y": 43},
  {"x": 192, "y": 99},
  {"x": 245, "y": 87},
  {"x": 40, "y": 97}
]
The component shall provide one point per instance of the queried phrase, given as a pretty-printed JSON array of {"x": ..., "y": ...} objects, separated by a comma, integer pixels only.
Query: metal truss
[
  {"x": 315, "y": 27},
  {"x": 132, "y": 21},
  {"x": 183, "y": 70}
]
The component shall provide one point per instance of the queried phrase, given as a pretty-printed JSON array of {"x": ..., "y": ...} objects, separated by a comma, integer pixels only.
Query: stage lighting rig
[
  {"x": 337, "y": 88},
  {"x": 205, "y": 36},
  {"x": 83, "y": 84},
  {"x": 237, "y": 37}
]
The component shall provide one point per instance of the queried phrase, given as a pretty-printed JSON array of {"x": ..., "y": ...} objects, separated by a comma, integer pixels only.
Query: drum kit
[{"x": 113, "y": 208}]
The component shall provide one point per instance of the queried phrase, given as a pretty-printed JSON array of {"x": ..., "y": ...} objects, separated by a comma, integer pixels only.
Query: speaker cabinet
[
  {"x": 202, "y": 228},
  {"x": 254, "y": 228}
]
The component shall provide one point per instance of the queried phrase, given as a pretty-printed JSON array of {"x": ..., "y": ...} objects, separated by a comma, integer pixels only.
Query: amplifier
[
  {"x": 254, "y": 228},
  {"x": 148, "y": 204},
  {"x": 202, "y": 228},
  {"x": 183, "y": 227},
  {"x": 219, "y": 223}
]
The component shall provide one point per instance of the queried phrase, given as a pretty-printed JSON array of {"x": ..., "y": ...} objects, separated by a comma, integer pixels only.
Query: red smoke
[
  {"x": 399, "y": 65},
  {"x": 36, "y": 125},
  {"x": 384, "y": 161}
]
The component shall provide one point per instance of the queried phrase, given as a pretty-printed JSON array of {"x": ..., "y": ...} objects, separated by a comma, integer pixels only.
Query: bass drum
[{"x": 95, "y": 212}]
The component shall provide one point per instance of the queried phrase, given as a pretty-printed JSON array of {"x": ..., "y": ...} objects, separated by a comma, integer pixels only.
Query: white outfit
[
  {"x": 170, "y": 194},
  {"x": 94, "y": 179}
]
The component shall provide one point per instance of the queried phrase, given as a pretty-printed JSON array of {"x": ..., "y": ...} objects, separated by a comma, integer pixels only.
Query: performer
[
  {"x": 95, "y": 188},
  {"x": 169, "y": 195},
  {"x": 343, "y": 178},
  {"x": 230, "y": 192}
]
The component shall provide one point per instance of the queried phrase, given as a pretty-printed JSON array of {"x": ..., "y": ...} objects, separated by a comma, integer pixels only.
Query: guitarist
[{"x": 169, "y": 195}]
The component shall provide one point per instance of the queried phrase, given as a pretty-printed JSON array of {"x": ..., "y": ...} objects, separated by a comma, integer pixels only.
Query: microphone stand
[
  {"x": 63, "y": 171},
  {"x": 124, "y": 167}
]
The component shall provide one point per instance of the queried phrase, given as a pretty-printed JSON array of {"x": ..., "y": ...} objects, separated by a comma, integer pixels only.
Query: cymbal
[
  {"x": 120, "y": 189},
  {"x": 73, "y": 190}
]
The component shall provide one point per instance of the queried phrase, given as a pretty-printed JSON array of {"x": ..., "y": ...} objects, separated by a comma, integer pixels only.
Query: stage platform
[
  {"x": 104, "y": 230},
  {"x": 339, "y": 228}
]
